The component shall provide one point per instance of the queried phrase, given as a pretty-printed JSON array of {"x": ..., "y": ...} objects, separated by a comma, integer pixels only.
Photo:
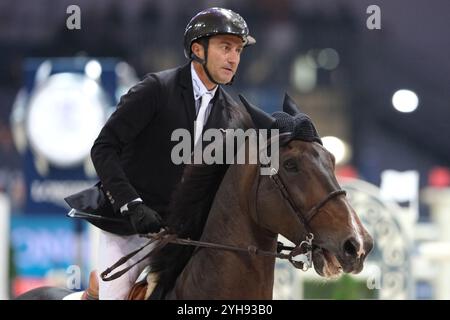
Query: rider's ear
[
  {"x": 198, "y": 50},
  {"x": 289, "y": 106}
]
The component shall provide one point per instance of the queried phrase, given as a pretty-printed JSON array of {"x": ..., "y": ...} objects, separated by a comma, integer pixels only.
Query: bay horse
[{"x": 237, "y": 206}]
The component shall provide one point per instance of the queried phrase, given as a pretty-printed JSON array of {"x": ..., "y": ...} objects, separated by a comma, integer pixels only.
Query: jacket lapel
[{"x": 188, "y": 95}]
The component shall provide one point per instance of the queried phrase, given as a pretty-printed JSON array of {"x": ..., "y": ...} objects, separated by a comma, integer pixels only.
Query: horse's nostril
[{"x": 351, "y": 247}]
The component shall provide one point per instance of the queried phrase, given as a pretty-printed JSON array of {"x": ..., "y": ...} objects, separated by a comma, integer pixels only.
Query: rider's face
[{"x": 224, "y": 54}]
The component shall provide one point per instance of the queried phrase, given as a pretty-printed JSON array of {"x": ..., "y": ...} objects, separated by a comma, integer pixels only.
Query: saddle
[{"x": 141, "y": 290}]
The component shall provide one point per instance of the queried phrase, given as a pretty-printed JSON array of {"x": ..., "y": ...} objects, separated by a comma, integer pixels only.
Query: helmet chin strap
[{"x": 203, "y": 62}]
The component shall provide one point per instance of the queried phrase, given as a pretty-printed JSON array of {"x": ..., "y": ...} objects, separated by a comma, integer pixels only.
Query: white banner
[{"x": 4, "y": 247}]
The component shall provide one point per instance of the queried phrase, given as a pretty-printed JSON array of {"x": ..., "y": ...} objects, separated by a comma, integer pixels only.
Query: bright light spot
[
  {"x": 328, "y": 59},
  {"x": 338, "y": 148},
  {"x": 122, "y": 69},
  {"x": 405, "y": 100},
  {"x": 44, "y": 71},
  {"x": 91, "y": 87},
  {"x": 93, "y": 69},
  {"x": 304, "y": 75}
]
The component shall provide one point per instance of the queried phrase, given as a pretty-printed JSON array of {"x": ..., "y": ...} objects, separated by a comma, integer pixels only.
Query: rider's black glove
[{"x": 142, "y": 218}]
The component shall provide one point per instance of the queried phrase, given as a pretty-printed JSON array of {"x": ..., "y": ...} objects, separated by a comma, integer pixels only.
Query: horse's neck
[
  {"x": 213, "y": 273},
  {"x": 229, "y": 220}
]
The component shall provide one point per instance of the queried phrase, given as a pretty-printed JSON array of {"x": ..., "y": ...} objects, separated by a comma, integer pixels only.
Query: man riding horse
[
  {"x": 224, "y": 220},
  {"x": 233, "y": 208}
]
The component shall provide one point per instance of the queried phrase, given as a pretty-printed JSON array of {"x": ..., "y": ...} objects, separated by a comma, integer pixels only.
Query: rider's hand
[{"x": 142, "y": 218}]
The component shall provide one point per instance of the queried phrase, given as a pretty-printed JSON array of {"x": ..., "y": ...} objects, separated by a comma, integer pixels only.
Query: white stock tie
[{"x": 200, "y": 121}]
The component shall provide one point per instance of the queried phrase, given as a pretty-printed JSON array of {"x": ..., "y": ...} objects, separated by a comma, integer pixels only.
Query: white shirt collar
[{"x": 198, "y": 86}]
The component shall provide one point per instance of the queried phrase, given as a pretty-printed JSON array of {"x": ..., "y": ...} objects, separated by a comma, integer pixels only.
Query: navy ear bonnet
[
  {"x": 290, "y": 120},
  {"x": 300, "y": 126}
]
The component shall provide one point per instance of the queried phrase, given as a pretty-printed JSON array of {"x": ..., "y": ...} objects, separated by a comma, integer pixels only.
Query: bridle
[
  {"x": 303, "y": 260},
  {"x": 300, "y": 256},
  {"x": 314, "y": 210}
]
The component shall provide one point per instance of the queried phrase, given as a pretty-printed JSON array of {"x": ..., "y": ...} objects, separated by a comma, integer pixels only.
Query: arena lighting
[
  {"x": 405, "y": 100},
  {"x": 93, "y": 69},
  {"x": 338, "y": 148},
  {"x": 304, "y": 73}
]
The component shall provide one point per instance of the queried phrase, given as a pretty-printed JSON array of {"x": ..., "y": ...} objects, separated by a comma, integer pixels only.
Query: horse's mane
[{"x": 189, "y": 208}]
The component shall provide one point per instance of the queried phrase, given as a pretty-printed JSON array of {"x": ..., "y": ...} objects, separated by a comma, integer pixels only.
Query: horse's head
[
  {"x": 341, "y": 243},
  {"x": 304, "y": 197}
]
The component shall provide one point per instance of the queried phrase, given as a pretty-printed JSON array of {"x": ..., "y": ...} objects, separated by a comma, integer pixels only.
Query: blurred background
[{"x": 375, "y": 80}]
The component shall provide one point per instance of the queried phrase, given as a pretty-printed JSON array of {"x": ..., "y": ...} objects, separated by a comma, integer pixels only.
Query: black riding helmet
[{"x": 210, "y": 22}]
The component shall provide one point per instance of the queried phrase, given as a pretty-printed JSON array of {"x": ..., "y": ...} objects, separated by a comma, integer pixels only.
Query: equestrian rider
[{"x": 132, "y": 154}]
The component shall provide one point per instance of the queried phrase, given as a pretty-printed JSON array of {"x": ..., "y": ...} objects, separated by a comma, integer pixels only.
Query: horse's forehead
[{"x": 300, "y": 147}]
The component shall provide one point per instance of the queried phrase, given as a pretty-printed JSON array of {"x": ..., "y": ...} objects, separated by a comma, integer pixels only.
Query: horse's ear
[
  {"x": 261, "y": 119},
  {"x": 289, "y": 106}
]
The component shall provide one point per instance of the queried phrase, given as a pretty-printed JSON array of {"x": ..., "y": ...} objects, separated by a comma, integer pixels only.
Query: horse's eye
[{"x": 290, "y": 165}]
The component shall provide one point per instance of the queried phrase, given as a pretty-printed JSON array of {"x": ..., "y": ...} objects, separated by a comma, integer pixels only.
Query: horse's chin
[{"x": 325, "y": 263}]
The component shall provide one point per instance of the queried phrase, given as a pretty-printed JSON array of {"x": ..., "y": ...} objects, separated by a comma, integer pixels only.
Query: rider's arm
[{"x": 135, "y": 111}]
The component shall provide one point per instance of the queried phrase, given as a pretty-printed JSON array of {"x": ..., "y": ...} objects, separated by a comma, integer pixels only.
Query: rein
[{"x": 165, "y": 238}]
